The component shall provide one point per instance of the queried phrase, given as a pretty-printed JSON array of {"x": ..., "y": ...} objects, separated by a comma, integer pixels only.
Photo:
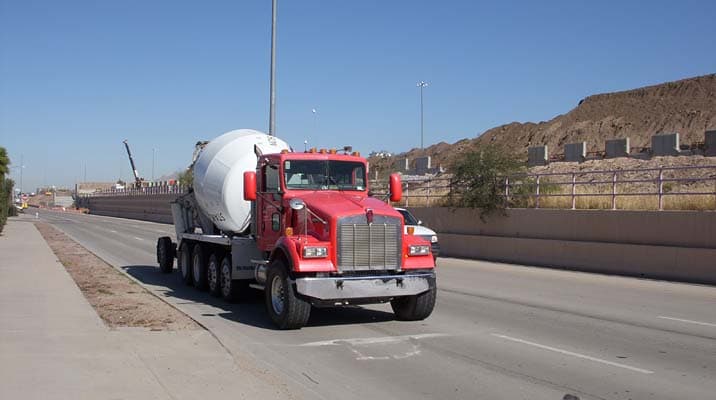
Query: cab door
[{"x": 269, "y": 206}]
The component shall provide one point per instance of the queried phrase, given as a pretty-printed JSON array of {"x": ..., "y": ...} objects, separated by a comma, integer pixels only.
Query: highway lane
[{"x": 499, "y": 331}]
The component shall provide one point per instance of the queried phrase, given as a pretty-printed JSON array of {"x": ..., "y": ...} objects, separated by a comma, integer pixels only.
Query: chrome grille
[{"x": 363, "y": 246}]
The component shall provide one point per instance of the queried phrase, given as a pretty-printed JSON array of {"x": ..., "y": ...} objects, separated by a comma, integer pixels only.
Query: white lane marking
[
  {"x": 373, "y": 340},
  {"x": 690, "y": 321},
  {"x": 578, "y": 355},
  {"x": 138, "y": 238},
  {"x": 113, "y": 231}
]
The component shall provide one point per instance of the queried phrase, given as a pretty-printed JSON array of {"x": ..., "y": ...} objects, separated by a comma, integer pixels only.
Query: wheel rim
[
  {"x": 277, "y": 295},
  {"x": 226, "y": 280},
  {"x": 213, "y": 275}
]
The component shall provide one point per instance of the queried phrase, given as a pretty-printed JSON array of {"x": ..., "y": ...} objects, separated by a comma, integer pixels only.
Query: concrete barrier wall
[
  {"x": 679, "y": 245},
  {"x": 154, "y": 208},
  {"x": 674, "y": 245}
]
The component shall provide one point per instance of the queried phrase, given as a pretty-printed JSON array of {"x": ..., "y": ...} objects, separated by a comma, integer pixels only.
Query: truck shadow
[{"x": 250, "y": 311}]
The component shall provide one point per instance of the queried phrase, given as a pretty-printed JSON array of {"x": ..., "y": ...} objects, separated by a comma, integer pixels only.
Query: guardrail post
[
  {"x": 614, "y": 191},
  {"x": 507, "y": 191},
  {"x": 661, "y": 188},
  {"x": 537, "y": 193},
  {"x": 574, "y": 190},
  {"x": 407, "y": 193}
]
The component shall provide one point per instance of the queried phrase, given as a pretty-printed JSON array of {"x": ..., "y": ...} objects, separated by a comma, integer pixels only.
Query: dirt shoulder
[{"x": 118, "y": 300}]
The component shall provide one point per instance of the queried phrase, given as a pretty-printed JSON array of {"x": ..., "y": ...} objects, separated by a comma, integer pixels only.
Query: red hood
[{"x": 331, "y": 205}]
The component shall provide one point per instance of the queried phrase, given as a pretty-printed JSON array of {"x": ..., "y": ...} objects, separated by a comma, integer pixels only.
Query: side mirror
[
  {"x": 250, "y": 185},
  {"x": 396, "y": 188}
]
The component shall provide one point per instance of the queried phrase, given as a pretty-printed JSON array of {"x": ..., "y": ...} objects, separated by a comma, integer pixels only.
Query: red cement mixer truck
[{"x": 299, "y": 226}]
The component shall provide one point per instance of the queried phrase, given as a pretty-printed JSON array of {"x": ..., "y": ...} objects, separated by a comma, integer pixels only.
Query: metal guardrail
[
  {"x": 431, "y": 190},
  {"x": 144, "y": 191}
]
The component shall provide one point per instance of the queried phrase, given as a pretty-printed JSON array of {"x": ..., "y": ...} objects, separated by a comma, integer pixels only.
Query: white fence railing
[
  {"x": 537, "y": 189},
  {"x": 651, "y": 183},
  {"x": 144, "y": 191}
]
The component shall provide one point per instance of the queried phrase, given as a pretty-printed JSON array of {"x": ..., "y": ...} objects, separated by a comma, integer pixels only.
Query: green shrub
[{"x": 479, "y": 179}]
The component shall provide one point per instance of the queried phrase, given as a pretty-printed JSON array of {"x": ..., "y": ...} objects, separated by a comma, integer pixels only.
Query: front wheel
[
  {"x": 286, "y": 310},
  {"x": 414, "y": 308}
]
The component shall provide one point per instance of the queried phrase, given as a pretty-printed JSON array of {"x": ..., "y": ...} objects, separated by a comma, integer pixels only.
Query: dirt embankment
[
  {"x": 687, "y": 106},
  {"x": 118, "y": 300}
]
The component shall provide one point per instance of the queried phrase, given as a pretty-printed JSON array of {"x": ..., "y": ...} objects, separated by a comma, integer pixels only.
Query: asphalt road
[{"x": 499, "y": 331}]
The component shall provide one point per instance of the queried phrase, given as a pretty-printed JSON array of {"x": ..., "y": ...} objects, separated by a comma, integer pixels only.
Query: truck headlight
[
  {"x": 315, "y": 252},
  {"x": 419, "y": 250}
]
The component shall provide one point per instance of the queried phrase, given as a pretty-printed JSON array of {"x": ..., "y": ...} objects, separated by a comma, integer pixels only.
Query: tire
[
  {"x": 198, "y": 266},
  {"x": 213, "y": 274},
  {"x": 414, "y": 308},
  {"x": 226, "y": 284},
  {"x": 184, "y": 262},
  {"x": 165, "y": 254},
  {"x": 285, "y": 309}
]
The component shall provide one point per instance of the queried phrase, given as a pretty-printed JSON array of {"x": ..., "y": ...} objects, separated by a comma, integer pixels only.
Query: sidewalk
[{"x": 54, "y": 346}]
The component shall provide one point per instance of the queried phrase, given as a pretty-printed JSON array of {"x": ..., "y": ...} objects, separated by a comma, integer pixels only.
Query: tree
[
  {"x": 4, "y": 163},
  {"x": 186, "y": 178},
  {"x": 479, "y": 178},
  {"x": 6, "y": 187}
]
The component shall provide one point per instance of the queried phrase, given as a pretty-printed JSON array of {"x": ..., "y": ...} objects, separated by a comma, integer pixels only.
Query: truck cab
[{"x": 315, "y": 219}]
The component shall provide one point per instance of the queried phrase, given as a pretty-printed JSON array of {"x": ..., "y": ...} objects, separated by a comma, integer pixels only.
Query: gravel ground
[{"x": 118, "y": 300}]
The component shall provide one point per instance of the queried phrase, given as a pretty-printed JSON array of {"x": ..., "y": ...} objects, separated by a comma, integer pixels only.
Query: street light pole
[
  {"x": 22, "y": 166},
  {"x": 272, "y": 111},
  {"x": 315, "y": 122},
  {"x": 421, "y": 85},
  {"x": 152, "y": 164}
]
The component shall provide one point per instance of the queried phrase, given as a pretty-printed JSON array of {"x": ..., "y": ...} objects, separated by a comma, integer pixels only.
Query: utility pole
[
  {"x": 22, "y": 166},
  {"x": 421, "y": 85},
  {"x": 315, "y": 122},
  {"x": 272, "y": 108},
  {"x": 152, "y": 164}
]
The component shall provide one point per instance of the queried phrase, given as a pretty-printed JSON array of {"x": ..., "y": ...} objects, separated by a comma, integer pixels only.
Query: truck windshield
[{"x": 324, "y": 175}]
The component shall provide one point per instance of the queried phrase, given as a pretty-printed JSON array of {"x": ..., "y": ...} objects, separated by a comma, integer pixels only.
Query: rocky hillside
[{"x": 687, "y": 106}]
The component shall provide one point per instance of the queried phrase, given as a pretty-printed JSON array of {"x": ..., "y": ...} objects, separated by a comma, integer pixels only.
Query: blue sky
[{"x": 78, "y": 77}]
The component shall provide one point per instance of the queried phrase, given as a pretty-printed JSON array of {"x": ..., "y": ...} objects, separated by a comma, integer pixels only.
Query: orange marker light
[
  {"x": 289, "y": 231},
  {"x": 332, "y": 151},
  {"x": 411, "y": 230},
  {"x": 323, "y": 151}
]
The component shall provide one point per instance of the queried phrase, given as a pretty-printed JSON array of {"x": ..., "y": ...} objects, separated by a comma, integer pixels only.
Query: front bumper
[{"x": 340, "y": 288}]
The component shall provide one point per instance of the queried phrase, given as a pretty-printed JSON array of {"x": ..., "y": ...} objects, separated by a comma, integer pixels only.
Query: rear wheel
[
  {"x": 414, "y": 308},
  {"x": 165, "y": 254},
  {"x": 228, "y": 290},
  {"x": 213, "y": 273},
  {"x": 286, "y": 310},
  {"x": 198, "y": 263},
  {"x": 184, "y": 262}
]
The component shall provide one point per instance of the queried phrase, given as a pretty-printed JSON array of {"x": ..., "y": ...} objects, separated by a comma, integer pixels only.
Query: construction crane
[{"x": 137, "y": 179}]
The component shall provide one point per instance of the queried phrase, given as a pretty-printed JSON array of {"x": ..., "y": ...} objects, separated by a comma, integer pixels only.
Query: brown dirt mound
[{"x": 687, "y": 106}]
